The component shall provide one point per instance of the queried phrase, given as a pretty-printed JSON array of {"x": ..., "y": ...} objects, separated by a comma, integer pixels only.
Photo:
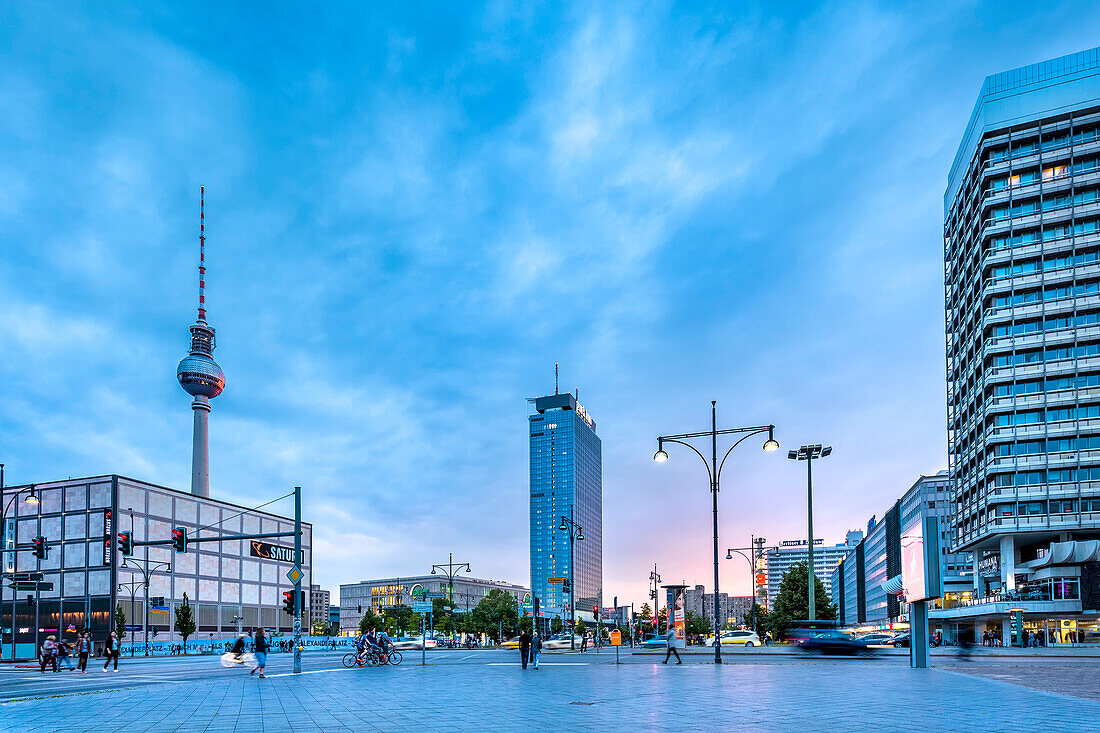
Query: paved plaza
[{"x": 487, "y": 690}]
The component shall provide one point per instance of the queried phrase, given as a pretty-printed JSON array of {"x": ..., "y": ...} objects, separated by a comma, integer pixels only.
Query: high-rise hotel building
[
  {"x": 1022, "y": 287},
  {"x": 566, "y": 476}
]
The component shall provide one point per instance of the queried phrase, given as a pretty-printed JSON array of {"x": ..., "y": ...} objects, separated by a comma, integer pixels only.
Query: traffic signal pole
[{"x": 298, "y": 584}]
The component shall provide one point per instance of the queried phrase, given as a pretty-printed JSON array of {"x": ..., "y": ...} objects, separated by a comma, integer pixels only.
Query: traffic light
[
  {"x": 179, "y": 539},
  {"x": 565, "y": 586},
  {"x": 288, "y": 601},
  {"x": 154, "y": 632},
  {"x": 126, "y": 543},
  {"x": 596, "y": 610},
  {"x": 39, "y": 544}
]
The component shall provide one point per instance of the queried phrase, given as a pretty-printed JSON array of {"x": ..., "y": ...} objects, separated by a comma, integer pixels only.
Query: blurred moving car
[
  {"x": 738, "y": 636},
  {"x": 412, "y": 642},
  {"x": 656, "y": 642},
  {"x": 877, "y": 638},
  {"x": 512, "y": 643},
  {"x": 560, "y": 641},
  {"x": 834, "y": 642}
]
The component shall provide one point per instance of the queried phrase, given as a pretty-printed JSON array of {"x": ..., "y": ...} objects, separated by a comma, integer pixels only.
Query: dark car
[
  {"x": 900, "y": 642},
  {"x": 834, "y": 642}
]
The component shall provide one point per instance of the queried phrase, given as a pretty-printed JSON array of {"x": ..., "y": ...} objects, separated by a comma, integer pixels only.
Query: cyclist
[
  {"x": 238, "y": 649},
  {"x": 383, "y": 642}
]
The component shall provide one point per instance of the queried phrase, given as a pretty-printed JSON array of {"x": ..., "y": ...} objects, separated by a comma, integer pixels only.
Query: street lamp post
[
  {"x": 655, "y": 578},
  {"x": 808, "y": 453},
  {"x": 575, "y": 533},
  {"x": 450, "y": 569},
  {"x": 714, "y": 471},
  {"x": 9, "y": 546},
  {"x": 146, "y": 569},
  {"x": 756, "y": 545}
]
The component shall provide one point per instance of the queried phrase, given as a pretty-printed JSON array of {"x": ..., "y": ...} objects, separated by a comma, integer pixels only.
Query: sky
[{"x": 415, "y": 209}]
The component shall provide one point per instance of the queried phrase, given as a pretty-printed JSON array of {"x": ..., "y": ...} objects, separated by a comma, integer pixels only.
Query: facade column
[
  {"x": 1008, "y": 562},
  {"x": 977, "y": 574}
]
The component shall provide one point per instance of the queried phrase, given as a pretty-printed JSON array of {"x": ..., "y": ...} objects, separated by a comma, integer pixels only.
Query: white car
[
  {"x": 560, "y": 641},
  {"x": 412, "y": 642},
  {"x": 740, "y": 636}
]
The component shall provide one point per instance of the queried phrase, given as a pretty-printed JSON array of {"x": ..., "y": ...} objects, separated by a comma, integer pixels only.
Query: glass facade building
[
  {"x": 1022, "y": 294},
  {"x": 222, "y": 580},
  {"x": 566, "y": 475}
]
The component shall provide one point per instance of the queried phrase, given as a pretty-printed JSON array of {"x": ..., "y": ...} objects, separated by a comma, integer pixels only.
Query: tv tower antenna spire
[
  {"x": 555, "y": 377},
  {"x": 198, "y": 373}
]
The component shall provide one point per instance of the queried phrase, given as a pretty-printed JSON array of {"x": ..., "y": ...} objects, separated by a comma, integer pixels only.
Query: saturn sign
[{"x": 271, "y": 552}]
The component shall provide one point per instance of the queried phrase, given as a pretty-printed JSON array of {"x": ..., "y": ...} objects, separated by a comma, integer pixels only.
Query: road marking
[
  {"x": 541, "y": 664},
  {"x": 313, "y": 671}
]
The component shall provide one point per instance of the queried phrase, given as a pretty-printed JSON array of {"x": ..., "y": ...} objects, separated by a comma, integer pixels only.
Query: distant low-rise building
[
  {"x": 778, "y": 560},
  {"x": 731, "y": 609}
]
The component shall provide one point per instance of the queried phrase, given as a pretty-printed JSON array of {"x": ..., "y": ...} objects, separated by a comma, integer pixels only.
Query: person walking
[
  {"x": 584, "y": 642},
  {"x": 524, "y": 648},
  {"x": 536, "y": 649},
  {"x": 83, "y": 651},
  {"x": 48, "y": 653},
  {"x": 63, "y": 655},
  {"x": 670, "y": 643},
  {"x": 261, "y": 654},
  {"x": 111, "y": 650}
]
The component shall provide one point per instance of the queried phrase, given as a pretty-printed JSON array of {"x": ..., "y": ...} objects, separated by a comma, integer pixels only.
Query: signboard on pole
[
  {"x": 108, "y": 536},
  {"x": 9, "y": 542},
  {"x": 920, "y": 560},
  {"x": 422, "y": 606},
  {"x": 268, "y": 551}
]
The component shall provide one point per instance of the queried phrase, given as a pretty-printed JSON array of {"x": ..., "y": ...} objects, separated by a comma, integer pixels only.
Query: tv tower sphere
[{"x": 198, "y": 373}]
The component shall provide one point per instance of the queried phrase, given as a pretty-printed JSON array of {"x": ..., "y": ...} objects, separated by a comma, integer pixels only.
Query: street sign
[
  {"x": 156, "y": 601},
  {"x": 268, "y": 551},
  {"x": 422, "y": 606},
  {"x": 133, "y": 627},
  {"x": 435, "y": 595},
  {"x": 617, "y": 637},
  {"x": 26, "y": 576},
  {"x": 556, "y": 580},
  {"x": 32, "y": 585},
  {"x": 295, "y": 574},
  {"x": 158, "y": 609}
]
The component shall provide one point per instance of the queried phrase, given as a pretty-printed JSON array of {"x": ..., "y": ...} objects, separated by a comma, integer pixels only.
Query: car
[
  {"x": 901, "y": 641},
  {"x": 738, "y": 636},
  {"x": 511, "y": 644},
  {"x": 560, "y": 641},
  {"x": 833, "y": 642},
  {"x": 877, "y": 639},
  {"x": 412, "y": 642},
  {"x": 656, "y": 642}
]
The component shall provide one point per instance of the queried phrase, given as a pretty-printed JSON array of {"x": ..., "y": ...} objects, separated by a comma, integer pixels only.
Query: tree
[
  {"x": 580, "y": 627},
  {"x": 556, "y": 625},
  {"x": 646, "y": 613},
  {"x": 370, "y": 620},
  {"x": 185, "y": 621},
  {"x": 793, "y": 601},
  {"x": 697, "y": 625},
  {"x": 526, "y": 624},
  {"x": 761, "y": 618},
  {"x": 496, "y": 614},
  {"x": 120, "y": 622},
  {"x": 319, "y": 628}
]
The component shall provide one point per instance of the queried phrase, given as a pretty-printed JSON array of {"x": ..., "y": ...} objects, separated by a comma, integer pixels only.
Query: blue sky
[{"x": 413, "y": 212}]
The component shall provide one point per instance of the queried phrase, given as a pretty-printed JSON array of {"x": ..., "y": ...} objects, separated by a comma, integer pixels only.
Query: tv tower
[{"x": 198, "y": 373}]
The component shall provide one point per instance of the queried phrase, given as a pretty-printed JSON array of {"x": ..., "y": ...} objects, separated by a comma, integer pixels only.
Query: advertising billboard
[{"x": 920, "y": 560}]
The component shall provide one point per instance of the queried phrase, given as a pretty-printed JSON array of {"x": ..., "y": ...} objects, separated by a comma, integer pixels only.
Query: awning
[{"x": 1067, "y": 553}]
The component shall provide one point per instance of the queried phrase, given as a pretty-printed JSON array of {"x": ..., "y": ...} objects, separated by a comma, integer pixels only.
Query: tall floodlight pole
[
  {"x": 451, "y": 568},
  {"x": 714, "y": 472},
  {"x": 808, "y": 453},
  {"x": 575, "y": 533}
]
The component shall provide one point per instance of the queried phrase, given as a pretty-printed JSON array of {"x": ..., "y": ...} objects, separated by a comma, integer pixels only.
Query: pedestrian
[
  {"x": 524, "y": 648},
  {"x": 670, "y": 643},
  {"x": 48, "y": 654},
  {"x": 536, "y": 649},
  {"x": 584, "y": 642},
  {"x": 63, "y": 655},
  {"x": 767, "y": 638},
  {"x": 83, "y": 651},
  {"x": 261, "y": 654},
  {"x": 111, "y": 650}
]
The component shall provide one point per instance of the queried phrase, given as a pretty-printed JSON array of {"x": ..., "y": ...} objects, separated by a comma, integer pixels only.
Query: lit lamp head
[
  {"x": 580, "y": 535},
  {"x": 467, "y": 567},
  {"x": 771, "y": 445},
  {"x": 729, "y": 555},
  {"x": 32, "y": 498},
  {"x": 433, "y": 571},
  {"x": 660, "y": 456}
]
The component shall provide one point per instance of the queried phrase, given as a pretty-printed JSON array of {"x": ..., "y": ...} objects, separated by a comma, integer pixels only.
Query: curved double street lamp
[
  {"x": 575, "y": 534},
  {"x": 714, "y": 473},
  {"x": 452, "y": 569}
]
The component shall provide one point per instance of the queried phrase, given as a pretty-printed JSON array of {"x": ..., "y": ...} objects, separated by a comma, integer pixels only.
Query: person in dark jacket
[
  {"x": 524, "y": 648},
  {"x": 261, "y": 653},
  {"x": 63, "y": 655},
  {"x": 111, "y": 650},
  {"x": 48, "y": 654},
  {"x": 84, "y": 650}
]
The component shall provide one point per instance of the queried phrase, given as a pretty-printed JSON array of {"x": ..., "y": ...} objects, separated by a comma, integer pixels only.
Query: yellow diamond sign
[{"x": 295, "y": 575}]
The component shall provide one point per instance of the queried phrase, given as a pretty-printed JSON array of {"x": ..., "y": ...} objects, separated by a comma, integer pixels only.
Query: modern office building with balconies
[{"x": 1022, "y": 292}]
